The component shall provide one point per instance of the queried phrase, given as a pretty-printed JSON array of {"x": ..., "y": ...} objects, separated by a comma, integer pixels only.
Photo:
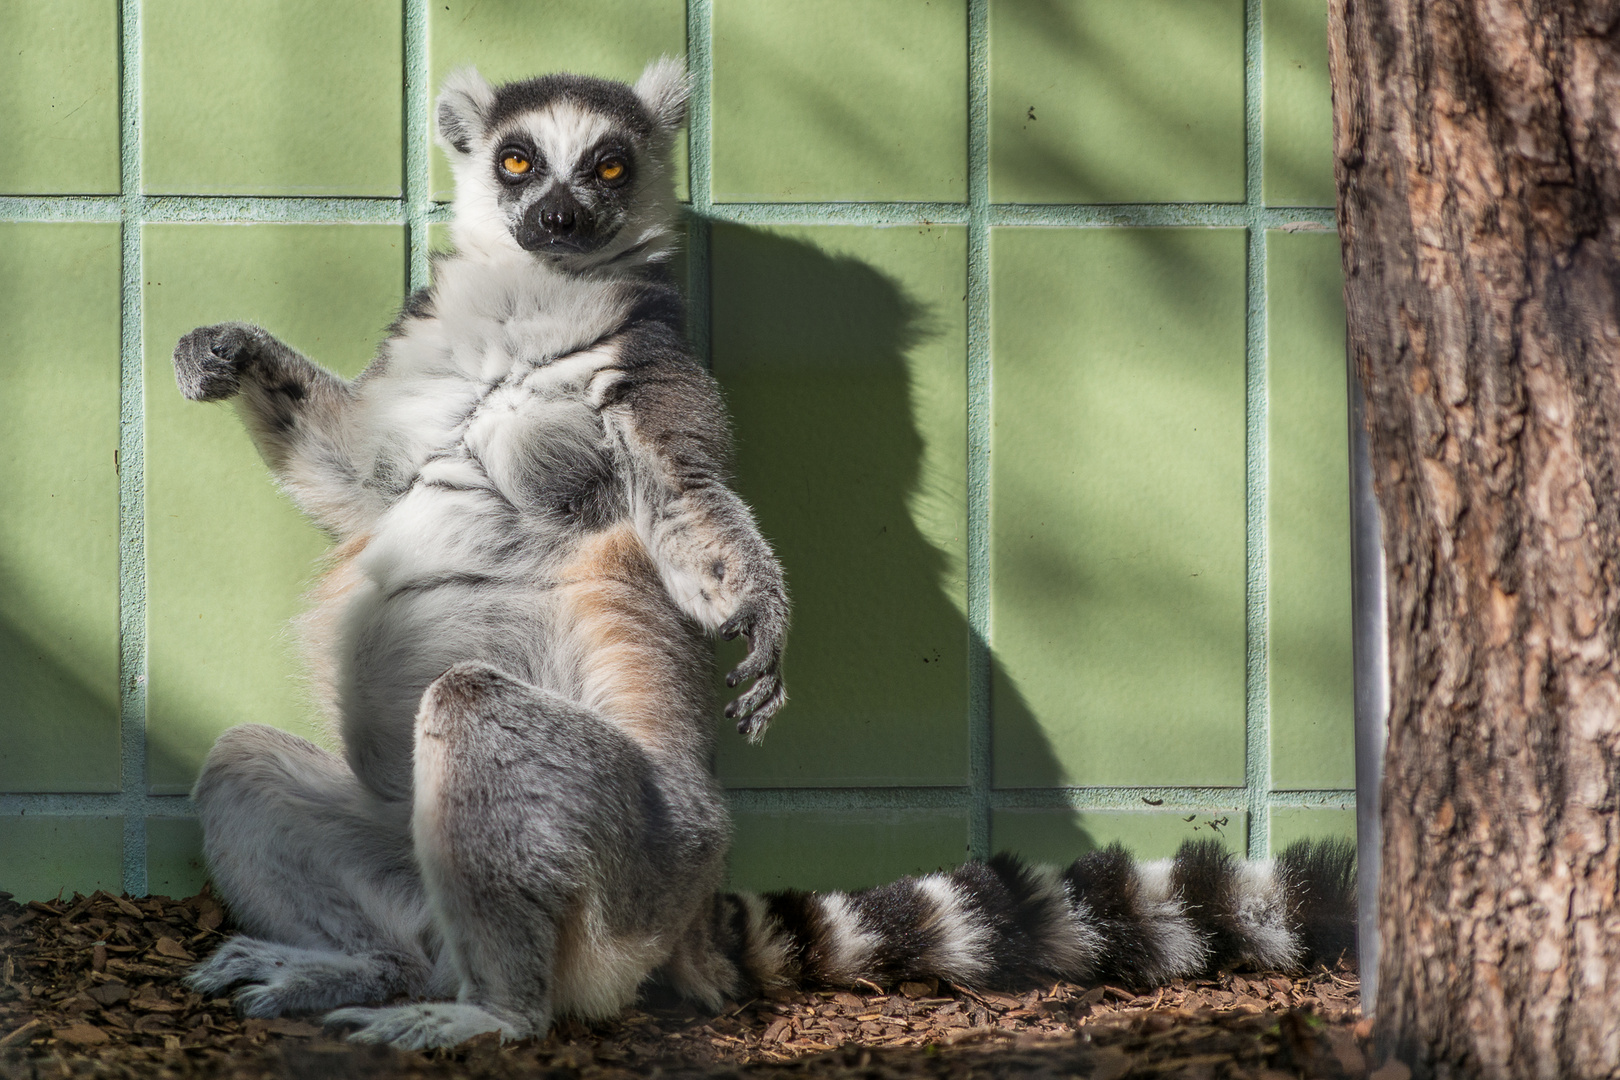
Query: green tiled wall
[
  {"x": 227, "y": 556},
  {"x": 42, "y": 857},
  {"x": 1027, "y": 313},
  {"x": 840, "y": 100},
  {"x": 59, "y": 97},
  {"x": 59, "y": 490},
  {"x": 1116, "y": 102},
  {"x": 299, "y": 97},
  {"x": 1116, "y": 506},
  {"x": 843, "y": 849},
  {"x": 1056, "y": 835},
  {"x": 1311, "y": 691}
]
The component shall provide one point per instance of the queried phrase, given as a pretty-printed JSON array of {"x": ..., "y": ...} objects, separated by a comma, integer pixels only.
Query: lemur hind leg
[
  {"x": 317, "y": 871},
  {"x": 543, "y": 833}
]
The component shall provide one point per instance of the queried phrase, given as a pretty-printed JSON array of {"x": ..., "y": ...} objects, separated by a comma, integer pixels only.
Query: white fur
[
  {"x": 1262, "y": 907},
  {"x": 424, "y": 1024},
  {"x": 1180, "y": 950},
  {"x": 849, "y": 944},
  {"x": 598, "y": 971},
  {"x": 663, "y": 88},
  {"x": 964, "y": 938},
  {"x": 1068, "y": 943},
  {"x": 767, "y": 956}
]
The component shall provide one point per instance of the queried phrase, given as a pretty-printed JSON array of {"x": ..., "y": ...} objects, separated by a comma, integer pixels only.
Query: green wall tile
[
  {"x": 1312, "y": 672},
  {"x": 843, "y": 849},
  {"x": 59, "y": 97},
  {"x": 842, "y": 354},
  {"x": 1116, "y": 102},
  {"x": 1060, "y": 836},
  {"x": 59, "y": 310},
  {"x": 840, "y": 99},
  {"x": 299, "y": 97},
  {"x": 174, "y": 858},
  {"x": 1117, "y": 506},
  {"x": 1297, "y": 105},
  {"x": 227, "y": 555},
  {"x": 512, "y": 39},
  {"x": 45, "y": 857},
  {"x": 1290, "y": 825}
]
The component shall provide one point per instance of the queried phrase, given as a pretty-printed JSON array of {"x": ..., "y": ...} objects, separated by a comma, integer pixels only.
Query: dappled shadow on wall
[
  {"x": 842, "y": 352},
  {"x": 59, "y": 711},
  {"x": 1117, "y": 103}
]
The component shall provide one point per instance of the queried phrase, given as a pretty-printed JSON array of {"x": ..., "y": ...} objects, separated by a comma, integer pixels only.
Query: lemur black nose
[{"x": 559, "y": 220}]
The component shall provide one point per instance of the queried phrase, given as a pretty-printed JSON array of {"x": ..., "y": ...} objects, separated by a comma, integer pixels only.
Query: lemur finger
[
  {"x": 753, "y": 725},
  {"x": 739, "y": 623},
  {"x": 762, "y": 657},
  {"x": 755, "y": 697}
]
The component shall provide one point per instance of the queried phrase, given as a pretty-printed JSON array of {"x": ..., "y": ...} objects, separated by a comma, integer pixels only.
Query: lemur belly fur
[{"x": 534, "y": 537}]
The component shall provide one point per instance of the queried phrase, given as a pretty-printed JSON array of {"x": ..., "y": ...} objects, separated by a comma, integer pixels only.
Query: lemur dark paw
[
  {"x": 765, "y": 630},
  {"x": 208, "y": 361}
]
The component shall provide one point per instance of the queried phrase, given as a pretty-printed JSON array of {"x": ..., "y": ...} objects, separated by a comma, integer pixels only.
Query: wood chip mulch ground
[{"x": 92, "y": 987}]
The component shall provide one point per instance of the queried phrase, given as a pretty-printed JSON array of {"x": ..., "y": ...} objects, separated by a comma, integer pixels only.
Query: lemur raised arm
[{"x": 534, "y": 535}]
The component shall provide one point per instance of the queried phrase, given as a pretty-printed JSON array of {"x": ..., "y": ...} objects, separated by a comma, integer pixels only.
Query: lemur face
[
  {"x": 565, "y": 166},
  {"x": 565, "y": 177}
]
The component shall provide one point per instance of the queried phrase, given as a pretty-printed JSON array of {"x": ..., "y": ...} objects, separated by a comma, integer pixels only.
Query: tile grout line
[
  {"x": 1145, "y": 800},
  {"x": 980, "y": 735},
  {"x": 301, "y": 209},
  {"x": 1141, "y": 800},
  {"x": 417, "y": 193},
  {"x": 132, "y": 654},
  {"x": 1257, "y": 655},
  {"x": 699, "y": 176}
]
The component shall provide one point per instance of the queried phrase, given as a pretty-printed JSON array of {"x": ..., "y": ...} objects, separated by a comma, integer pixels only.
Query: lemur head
[{"x": 570, "y": 168}]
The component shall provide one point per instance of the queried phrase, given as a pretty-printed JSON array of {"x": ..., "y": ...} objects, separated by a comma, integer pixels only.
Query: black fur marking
[
  {"x": 731, "y": 929},
  {"x": 1105, "y": 881},
  {"x": 658, "y": 304},
  {"x": 1205, "y": 875},
  {"x": 292, "y": 391},
  {"x": 1319, "y": 878},
  {"x": 796, "y": 923},
  {"x": 611, "y": 99},
  {"x": 418, "y": 305},
  {"x": 902, "y": 918},
  {"x": 463, "y": 581},
  {"x": 1008, "y": 897}
]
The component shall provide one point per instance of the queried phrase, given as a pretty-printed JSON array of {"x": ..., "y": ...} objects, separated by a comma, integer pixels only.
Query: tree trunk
[{"x": 1477, "y": 147}]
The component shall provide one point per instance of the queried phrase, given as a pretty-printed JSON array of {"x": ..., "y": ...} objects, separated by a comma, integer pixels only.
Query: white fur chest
[{"x": 479, "y": 427}]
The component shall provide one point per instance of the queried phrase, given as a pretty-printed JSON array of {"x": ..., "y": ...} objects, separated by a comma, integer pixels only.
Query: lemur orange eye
[
  {"x": 516, "y": 164},
  {"x": 610, "y": 168}
]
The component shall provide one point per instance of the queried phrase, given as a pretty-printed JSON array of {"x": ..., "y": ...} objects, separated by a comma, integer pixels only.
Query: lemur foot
[
  {"x": 422, "y": 1025},
  {"x": 208, "y": 361},
  {"x": 282, "y": 979}
]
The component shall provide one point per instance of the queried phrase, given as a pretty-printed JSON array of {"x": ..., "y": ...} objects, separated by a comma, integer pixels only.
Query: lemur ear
[
  {"x": 464, "y": 104},
  {"x": 663, "y": 89}
]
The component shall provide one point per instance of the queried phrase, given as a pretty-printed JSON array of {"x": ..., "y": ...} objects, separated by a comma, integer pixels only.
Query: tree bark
[{"x": 1477, "y": 147}]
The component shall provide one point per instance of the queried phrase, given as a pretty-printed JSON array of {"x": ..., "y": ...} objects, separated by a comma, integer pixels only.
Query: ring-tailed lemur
[{"x": 534, "y": 534}]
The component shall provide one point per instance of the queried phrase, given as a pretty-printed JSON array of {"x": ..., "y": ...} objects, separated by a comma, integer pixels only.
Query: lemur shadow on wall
[{"x": 842, "y": 352}]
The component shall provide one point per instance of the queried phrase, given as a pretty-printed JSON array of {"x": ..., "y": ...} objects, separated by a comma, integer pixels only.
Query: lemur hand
[
  {"x": 208, "y": 361},
  {"x": 763, "y": 620}
]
